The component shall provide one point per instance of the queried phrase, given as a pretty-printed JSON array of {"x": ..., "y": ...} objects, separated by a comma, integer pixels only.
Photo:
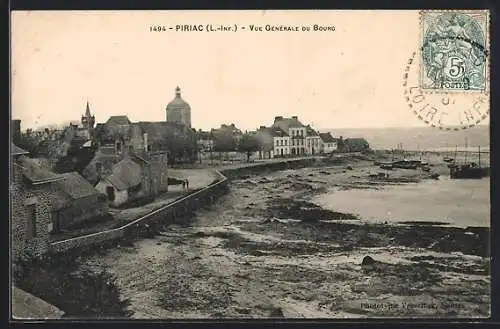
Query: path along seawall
[{"x": 178, "y": 211}]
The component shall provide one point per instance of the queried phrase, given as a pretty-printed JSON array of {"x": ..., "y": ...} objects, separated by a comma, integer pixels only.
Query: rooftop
[
  {"x": 327, "y": 138},
  {"x": 287, "y": 123},
  {"x": 16, "y": 150},
  {"x": 126, "y": 174},
  {"x": 36, "y": 173},
  {"x": 118, "y": 120},
  {"x": 76, "y": 186}
]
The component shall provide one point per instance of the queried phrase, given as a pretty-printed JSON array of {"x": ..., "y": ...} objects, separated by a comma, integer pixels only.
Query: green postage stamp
[{"x": 454, "y": 50}]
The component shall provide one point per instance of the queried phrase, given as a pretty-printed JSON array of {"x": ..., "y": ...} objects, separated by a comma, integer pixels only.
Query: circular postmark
[{"x": 443, "y": 109}]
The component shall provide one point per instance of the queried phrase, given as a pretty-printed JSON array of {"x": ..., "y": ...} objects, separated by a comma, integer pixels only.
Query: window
[
  {"x": 302, "y": 133},
  {"x": 277, "y": 143},
  {"x": 286, "y": 142},
  {"x": 281, "y": 142},
  {"x": 32, "y": 221}
]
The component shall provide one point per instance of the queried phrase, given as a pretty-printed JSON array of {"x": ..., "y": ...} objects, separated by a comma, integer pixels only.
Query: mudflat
[{"x": 267, "y": 250}]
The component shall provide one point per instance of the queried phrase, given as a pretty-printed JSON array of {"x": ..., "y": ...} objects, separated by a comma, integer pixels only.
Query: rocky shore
[{"x": 267, "y": 250}]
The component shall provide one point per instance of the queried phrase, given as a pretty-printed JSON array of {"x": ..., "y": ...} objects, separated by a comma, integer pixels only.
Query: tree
[
  {"x": 224, "y": 141},
  {"x": 249, "y": 143},
  {"x": 357, "y": 145}
]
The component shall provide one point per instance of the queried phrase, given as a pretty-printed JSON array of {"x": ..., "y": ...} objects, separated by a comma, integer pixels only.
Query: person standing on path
[
  {"x": 184, "y": 184},
  {"x": 187, "y": 184}
]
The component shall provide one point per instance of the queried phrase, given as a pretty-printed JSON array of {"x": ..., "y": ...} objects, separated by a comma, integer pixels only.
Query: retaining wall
[
  {"x": 177, "y": 211},
  {"x": 143, "y": 226}
]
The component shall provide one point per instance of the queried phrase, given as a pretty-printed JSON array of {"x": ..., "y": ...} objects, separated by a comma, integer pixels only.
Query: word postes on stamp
[
  {"x": 454, "y": 50},
  {"x": 443, "y": 110}
]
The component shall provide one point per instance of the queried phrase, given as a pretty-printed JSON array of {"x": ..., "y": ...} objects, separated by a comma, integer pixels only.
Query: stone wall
[
  {"x": 178, "y": 210},
  {"x": 23, "y": 202}
]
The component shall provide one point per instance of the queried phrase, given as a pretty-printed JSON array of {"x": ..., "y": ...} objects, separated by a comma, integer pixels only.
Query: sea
[{"x": 460, "y": 203}]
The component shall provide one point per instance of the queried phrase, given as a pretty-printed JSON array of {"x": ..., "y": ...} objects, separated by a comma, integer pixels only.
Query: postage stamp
[{"x": 454, "y": 50}]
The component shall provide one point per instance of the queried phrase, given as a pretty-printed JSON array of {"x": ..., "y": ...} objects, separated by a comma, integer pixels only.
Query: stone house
[
  {"x": 274, "y": 141},
  {"x": 31, "y": 206},
  {"x": 313, "y": 141},
  {"x": 328, "y": 143},
  {"x": 82, "y": 202},
  {"x": 134, "y": 178},
  {"x": 73, "y": 199},
  {"x": 297, "y": 132}
]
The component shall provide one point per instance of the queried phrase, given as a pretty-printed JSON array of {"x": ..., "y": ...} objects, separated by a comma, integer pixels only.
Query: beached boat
[{"x": 469, "y": 170}]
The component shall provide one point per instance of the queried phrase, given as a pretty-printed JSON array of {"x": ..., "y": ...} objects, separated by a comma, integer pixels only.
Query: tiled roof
[
  {"x": 311, "y": 132},
  {"x": 36, "y": 173},
  {"x": 118, "y": 120},
  {"x": 16, "y": 150},
  {"x": 273, "y": 131},
  {"x": 76, "y": 186},
  {"x": 126, "y": 174},
  {"x": 327, "y": 138},
  {"x": 287, "y": 123}
]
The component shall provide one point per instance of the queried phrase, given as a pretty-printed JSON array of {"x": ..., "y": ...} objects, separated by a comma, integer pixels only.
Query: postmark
[
  {"x": 454, "y": 51},
  {"x": 440, "y": 109}
]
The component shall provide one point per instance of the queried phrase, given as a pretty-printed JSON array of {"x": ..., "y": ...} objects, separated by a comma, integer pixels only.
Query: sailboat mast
[
  {"x": 466, "y": 146},
  {"x": 479, "y": 157}
]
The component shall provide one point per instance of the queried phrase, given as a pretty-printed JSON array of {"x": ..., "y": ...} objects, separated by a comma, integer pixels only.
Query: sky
[{"x": 350, "y": 77}]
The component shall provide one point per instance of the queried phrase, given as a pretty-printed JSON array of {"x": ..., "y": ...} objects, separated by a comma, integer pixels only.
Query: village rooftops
[{"x": 327, "y": 138}]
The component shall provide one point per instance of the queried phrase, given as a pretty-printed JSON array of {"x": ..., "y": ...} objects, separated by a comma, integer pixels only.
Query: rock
[
  {"x": 367, "y": 260},
  {"x": 349, "y": 168},
  {"x": 276, "y": 313},
  {"x": 243, "y": 310},
  {"x": 158, "y": 243}
]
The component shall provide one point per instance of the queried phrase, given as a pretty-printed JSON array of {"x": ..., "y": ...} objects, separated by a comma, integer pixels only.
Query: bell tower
[{"x": 88, "y": 120}]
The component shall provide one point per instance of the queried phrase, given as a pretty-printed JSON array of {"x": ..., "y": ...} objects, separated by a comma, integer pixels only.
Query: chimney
[
  {"x": 145, "y": 141},
  {"x": 278, "y": 118},
  {"x": 295, "y": 117}
]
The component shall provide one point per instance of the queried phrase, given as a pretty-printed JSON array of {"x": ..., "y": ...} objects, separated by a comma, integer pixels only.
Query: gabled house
[
  {"x": 313, "y": 141},
  {"x": 134, "y": 178},
  {"x": 297, "y": 132},
  {"x": 31, "y": 194},
  {"x": 328, "y": 143},
  {"x": 274, "y": 141}
]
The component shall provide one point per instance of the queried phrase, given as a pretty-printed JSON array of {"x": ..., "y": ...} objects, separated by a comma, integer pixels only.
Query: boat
[
  {"x": 448, "y": 159},
  {"x": 469, "y": 170}
]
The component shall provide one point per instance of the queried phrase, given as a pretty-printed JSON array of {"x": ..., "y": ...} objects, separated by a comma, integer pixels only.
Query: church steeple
[
  {"x": 88, "y": 120},
  {"x": 178, "y": 92},
  {"x": 87, "y": 111}
]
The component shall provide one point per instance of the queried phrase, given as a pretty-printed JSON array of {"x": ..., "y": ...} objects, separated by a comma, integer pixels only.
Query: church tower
[
  {"x": 178, "y": 110},
  {"x": 88, "y": 120}
]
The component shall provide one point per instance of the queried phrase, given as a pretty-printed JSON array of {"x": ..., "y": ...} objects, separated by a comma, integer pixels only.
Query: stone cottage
[
  {"x": 82, "y": 202},
  {"x": 73, "y": 199},
  {"x": 31, "y": 196},
  {"x": 135, "y": 177}
]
